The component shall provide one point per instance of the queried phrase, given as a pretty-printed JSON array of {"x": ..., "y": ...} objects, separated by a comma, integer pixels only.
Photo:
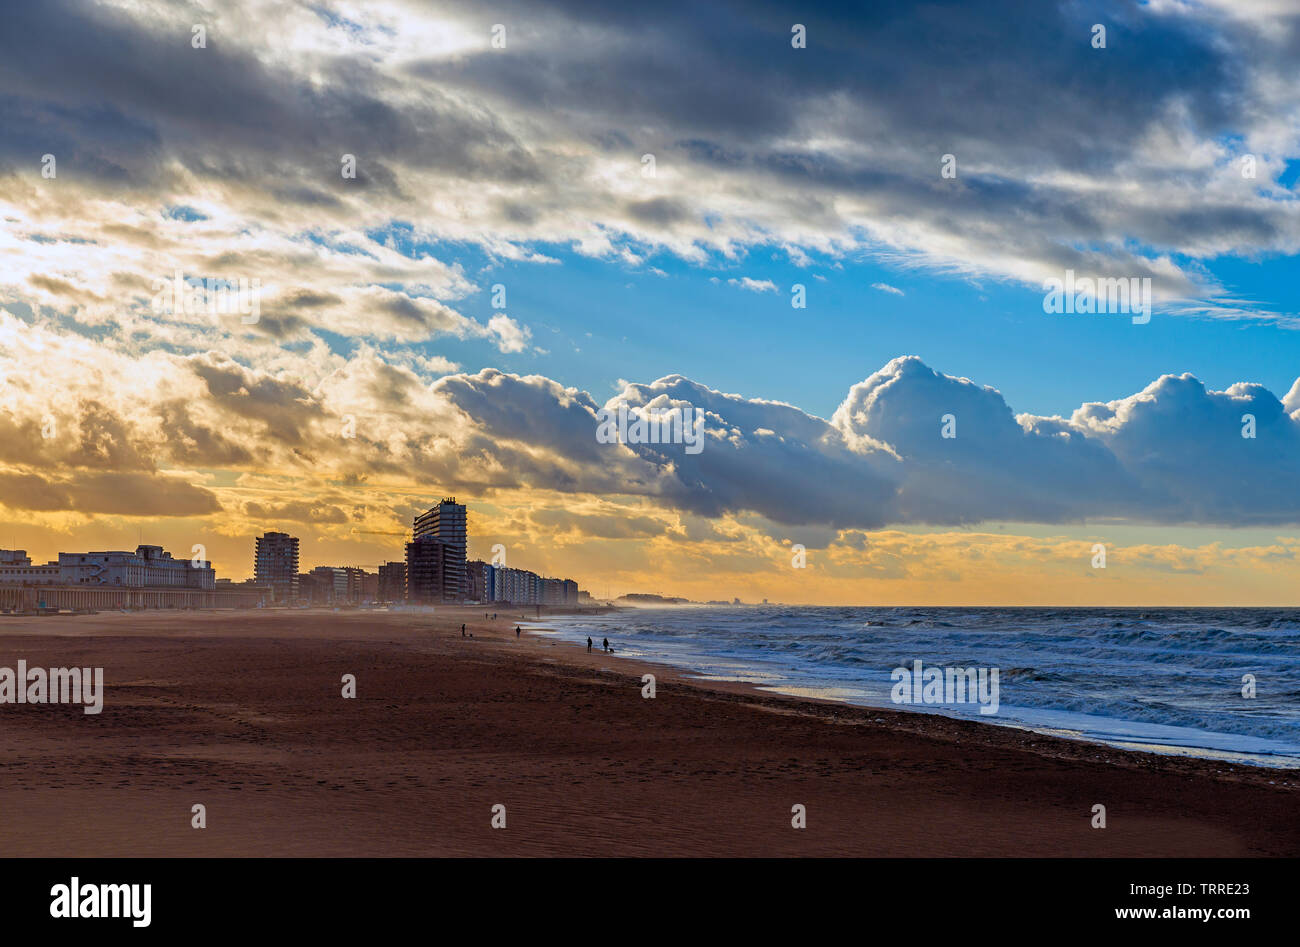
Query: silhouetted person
[
  {"x": 516, "y": 631},
  {"x": 462, "y": 631},
  {"x": 606, "y": 644},
  {"x": 588, "y": 643}
]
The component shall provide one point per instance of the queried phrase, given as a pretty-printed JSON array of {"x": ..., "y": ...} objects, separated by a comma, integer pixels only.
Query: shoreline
[
  {"x": 1261, "y": 761},
  {"x": 827, "y": 708},
  {"x": 243, "y": 713}
]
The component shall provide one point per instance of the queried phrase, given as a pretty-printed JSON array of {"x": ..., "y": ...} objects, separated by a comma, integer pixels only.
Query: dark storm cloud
[
  {"x": 1066, "y": 155},
  {"x": 118, "y": 95}
]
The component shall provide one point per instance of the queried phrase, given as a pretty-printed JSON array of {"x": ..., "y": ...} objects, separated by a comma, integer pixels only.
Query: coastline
[
  {"x": 714, "y": 670},
  {"x": 242, "y": 712},
  {"x": 966, "y": 730}
]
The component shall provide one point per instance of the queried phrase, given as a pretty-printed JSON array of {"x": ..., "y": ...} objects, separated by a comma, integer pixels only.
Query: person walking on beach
[
  {"x": 606, "y": 644},
  {"x": 516, "y": 631},
  {"x": 462, "y": 631},
  {"x": 588, "y": 643}
]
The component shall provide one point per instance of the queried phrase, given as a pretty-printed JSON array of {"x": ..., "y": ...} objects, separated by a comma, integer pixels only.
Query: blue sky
[{"x": 600, "y": 322}]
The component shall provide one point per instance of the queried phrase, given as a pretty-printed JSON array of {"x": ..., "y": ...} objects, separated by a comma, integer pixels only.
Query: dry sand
[{"x": 241, "y": 711}]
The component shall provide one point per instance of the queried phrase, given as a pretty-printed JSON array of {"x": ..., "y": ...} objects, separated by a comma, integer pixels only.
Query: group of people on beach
[{"x": 604, "y": 643}]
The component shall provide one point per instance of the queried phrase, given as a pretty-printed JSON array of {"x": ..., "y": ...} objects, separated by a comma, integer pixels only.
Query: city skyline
[{"x": 278, "y": 579}]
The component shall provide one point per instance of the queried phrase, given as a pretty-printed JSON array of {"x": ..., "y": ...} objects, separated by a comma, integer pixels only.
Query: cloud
[
  {"x": 510, "y": 335},
  {"x": 1173, "y": 453},
  {"x": 109, "y": 492},
  {"x": 225, "y": 161},
  {"x": 886, "y": 288},
  {"x": 753, "y": 285},
  {"x": 298, "y": 511}
]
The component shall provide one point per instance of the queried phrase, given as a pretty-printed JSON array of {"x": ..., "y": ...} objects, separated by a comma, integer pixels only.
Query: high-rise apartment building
[
  {"x": 444, "y": 524},
  {"x": 275, "y": 564},
  {"x": 426, "y": 572}
]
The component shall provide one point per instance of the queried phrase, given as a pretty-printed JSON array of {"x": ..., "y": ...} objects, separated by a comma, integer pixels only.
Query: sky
[{"x": 833, "y": 229}]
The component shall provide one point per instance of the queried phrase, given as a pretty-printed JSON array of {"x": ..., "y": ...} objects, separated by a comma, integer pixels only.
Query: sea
[{"x": 1162, "y": 680}]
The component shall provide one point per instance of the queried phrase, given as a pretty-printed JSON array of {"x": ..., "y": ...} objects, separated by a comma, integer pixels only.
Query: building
[
  {"x": 312, "y": 592},
  {"x": 552, "y": 592},
  {"x": 275, "y": 563},
  {"x": 16, "y": 568},
  {"x": 337, "y": 585},
  {"x": 559, "y": 592},
  {"x": 489, "y": 583},
  {"x": 330, "y": 585},
  {"x": 147, "y": 567},
  {"x": 354, "y": 591},
  {"x": 517, "y": 586},
  {"x": 426, "y": 574},
  {"x": 479, "y": 575},
  {"x": 392, "y": 582},
  {"x": 444, "y": 524},
  {"x": 149, "y": 577}
]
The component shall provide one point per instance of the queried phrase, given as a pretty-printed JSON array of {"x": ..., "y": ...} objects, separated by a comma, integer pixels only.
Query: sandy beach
[{"x": 242, "y": 712}]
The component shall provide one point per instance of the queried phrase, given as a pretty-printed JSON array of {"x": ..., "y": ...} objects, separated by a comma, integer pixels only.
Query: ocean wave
[{"x": 1112, "y": 669}]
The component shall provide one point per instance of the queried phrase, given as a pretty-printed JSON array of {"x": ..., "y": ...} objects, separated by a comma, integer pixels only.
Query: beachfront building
[
  {"x": 17, "y": 568},
  {"x": 426, "y": 572},
  {"x": 445, "y": 526},
  {"x": 489, "y": 583},
  {"x": 480, "y": 577},
  {"x": 147, "y": 567},
  {"x": 332, "y": 583},
  {"x": 392, "y": 582},
  {"x": 519, "y": 586},
  {"x": 337, "y": 585},
  {"x": 313, "y": 590},
  {"x": 275, "y": 563},
  {"x": 149, "y": 577}
]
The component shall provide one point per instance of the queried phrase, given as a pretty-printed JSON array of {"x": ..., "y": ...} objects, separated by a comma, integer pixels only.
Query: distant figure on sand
[
  {"x": 606, "y": 644},
  {"x": 462, "y": 631},
  {"x": 589, "y": 644},
  {"x": 516, "y": 631}
]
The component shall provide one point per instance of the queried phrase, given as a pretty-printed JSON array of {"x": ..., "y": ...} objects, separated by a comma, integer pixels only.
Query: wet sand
[{"x": 242, "y": 712}]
